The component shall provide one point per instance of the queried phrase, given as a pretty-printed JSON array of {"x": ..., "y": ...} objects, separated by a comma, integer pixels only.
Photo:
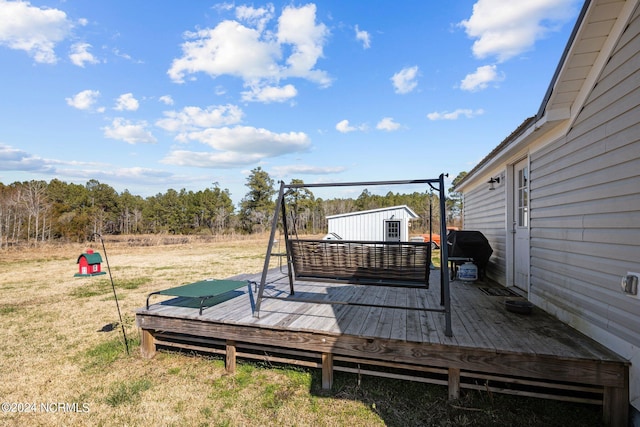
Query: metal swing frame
[{"x": 436, "y": 184}]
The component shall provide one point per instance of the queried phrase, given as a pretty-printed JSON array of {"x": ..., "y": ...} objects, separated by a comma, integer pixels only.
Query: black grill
[{"x": 470, "y": 244}]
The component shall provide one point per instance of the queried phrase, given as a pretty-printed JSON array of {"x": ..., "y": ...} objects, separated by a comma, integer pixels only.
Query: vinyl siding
[
  {"x": 585, "y": 204},
  {"x": 484, "y": 210}
]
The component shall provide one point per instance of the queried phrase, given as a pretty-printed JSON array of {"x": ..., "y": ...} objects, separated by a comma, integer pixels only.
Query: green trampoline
[{"x": 203, "y": 290}]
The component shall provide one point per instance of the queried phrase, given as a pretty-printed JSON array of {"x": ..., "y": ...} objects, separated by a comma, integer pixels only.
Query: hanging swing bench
[
  {"x": 370, "y": 263},
  {"x": 362, "y": 262}
]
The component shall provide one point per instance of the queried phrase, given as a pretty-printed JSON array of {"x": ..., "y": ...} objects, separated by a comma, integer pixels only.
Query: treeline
[{"x": 37, "y": 211}]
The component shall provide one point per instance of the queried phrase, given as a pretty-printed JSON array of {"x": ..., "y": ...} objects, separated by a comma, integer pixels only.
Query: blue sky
[{"x": 147, "y": 96}]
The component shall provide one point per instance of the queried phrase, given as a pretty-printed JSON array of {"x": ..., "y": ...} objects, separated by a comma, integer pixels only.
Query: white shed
[{"x": 385, "y": 224}]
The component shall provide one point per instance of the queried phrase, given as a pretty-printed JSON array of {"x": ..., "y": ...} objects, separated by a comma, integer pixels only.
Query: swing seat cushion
[{"x": 362, "y": 261}]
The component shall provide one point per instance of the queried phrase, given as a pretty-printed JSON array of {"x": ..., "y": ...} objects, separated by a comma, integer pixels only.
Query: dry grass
[{"x": 55, "y": 352}]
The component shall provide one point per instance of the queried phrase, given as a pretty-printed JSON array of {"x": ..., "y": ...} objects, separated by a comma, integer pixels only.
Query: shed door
[
  {"x": 520, "y": 223},
  {"x": 392, "y": 231}
]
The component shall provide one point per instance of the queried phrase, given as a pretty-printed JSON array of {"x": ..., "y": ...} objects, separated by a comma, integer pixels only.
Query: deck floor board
[
  {"x": 486, "y": 337},
  {"x": 478, "y": 320}
]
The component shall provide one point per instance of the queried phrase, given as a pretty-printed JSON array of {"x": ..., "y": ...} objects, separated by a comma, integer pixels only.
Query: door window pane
[
  {"x": 393, "y": 230},
  {"x": 523, "y": 197}
]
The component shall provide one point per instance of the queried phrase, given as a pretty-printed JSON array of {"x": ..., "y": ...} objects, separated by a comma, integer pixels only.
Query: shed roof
[{"x": 410, "y": 211}]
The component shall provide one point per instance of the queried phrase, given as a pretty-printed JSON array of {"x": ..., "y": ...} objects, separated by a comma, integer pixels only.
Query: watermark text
[{"x": 45, "y": 407}]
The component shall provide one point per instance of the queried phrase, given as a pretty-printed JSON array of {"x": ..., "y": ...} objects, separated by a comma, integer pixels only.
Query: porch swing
[{"x": 367, "y": 263}]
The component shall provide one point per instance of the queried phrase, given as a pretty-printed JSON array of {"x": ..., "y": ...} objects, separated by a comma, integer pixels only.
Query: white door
[
  {"x": 392, "y": 231},
  {"x": 520, "y": 222}
]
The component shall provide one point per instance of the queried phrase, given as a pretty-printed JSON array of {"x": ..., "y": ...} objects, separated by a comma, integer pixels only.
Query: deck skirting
[{"x": 457, "y": 369}]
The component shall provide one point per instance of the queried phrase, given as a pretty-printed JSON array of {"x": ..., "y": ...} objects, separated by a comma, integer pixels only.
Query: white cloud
[
  {"x": 251, "y": 140},
  {"x": 505, "y": 29},
  {"x": 112, "y": 173},
  {"x": 126, "y": 102},
  {"x": 307, "y": 170},
  {"x": 364, "y": 37},
  {"x": 117, "y": 52},
  {"x": 229, "y": 48},
  {"x": 455, "y": 115},
  {"x": 256, "y": 17},
  {"x": 80, "y": 55},
  {"x": 144, "y": 174},
  {"x": 238, "y": 146},
  {"x": 223, "y": 6},
  {"x": 481, "y": 78},
  {"x": 132, "y": 133},
  {"x": 404, "y": 81},
  {"x": 387, "y": 124},
  {"x": 297, "y": 27},
  {"x": 203, "y": 159},
  {"x": 254, "y": 53},
  {"x": 32, "y": 29},
  {"x": 83, "y": 100},
  {"x": 166, "y": 99},
  {"x": 195, "y": 118},
  {"x": 343, "y": 126},
  {"x": 15, "y": 159},
  {"x": 269, "y": 94}
]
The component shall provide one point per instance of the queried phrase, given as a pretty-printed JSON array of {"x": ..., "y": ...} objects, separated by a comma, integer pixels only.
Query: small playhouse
[
  {"x": 89, "y": 264},
  {"x": 389, "y": 224}
]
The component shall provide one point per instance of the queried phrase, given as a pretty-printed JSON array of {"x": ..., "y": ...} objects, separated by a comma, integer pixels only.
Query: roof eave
[
  {"x": 407, "y": 208},
  {"x": 543, "y": 119}
]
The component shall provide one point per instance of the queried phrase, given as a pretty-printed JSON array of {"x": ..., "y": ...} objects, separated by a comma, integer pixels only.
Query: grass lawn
[{"x": 62, "y": 362}]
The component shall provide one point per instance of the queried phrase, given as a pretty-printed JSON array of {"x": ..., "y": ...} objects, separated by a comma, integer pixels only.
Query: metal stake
[{"x": 124, "y": 334}]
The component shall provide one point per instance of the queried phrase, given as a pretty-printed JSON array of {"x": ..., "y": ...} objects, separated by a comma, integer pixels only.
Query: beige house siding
[
  {"x": 585, "y": 205},
  {"x": 584, "y": 162},
  {"x": 485, "y": 210}
]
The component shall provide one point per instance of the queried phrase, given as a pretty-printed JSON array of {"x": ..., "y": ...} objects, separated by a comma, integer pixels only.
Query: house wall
[
  {"x": 368, "y": 225},
  {"x": 585, "y": 211},
  {"x": 485, "y": 211}
]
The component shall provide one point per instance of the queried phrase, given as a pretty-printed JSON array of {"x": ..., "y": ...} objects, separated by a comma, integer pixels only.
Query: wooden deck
[{"x": 491, "y": 348}]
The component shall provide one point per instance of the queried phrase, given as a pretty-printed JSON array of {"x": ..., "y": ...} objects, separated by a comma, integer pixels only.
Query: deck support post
[
  {"x": 454, "y": 383},
  {"x": 615, "y": 407},
  {"x": 230, "y": 360},
  {"x": 147, "y": 344},
  {"x": 327, "y": 371}
]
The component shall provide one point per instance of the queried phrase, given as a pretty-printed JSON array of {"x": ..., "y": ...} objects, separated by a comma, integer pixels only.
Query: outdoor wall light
[
  {"x": 492, "y": 182},
  {"x": 630, "y": 284}
]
